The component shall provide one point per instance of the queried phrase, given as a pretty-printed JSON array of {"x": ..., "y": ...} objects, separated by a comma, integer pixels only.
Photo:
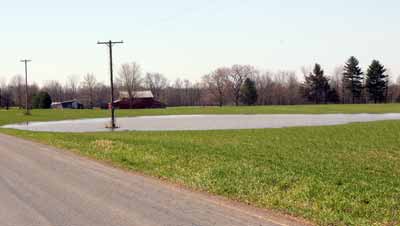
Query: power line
[
  {"x": 210, "y": 8},
  {"x": 110, "y": 44}
]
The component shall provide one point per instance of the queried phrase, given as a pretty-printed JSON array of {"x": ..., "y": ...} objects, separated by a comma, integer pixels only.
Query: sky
[{"x": 187, "y": 38}]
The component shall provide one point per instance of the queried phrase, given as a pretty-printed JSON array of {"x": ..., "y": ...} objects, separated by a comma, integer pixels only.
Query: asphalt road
[
  {"x": 44, "y": 186},
  {"x": 203, "y": 122}
]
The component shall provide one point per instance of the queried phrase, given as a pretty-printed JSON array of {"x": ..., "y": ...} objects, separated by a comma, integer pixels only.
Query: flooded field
[{"x": 201, "y": 122}]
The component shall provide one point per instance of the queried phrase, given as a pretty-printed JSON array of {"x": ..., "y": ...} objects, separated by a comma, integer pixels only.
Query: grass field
[{"x": 336, "y": 175}]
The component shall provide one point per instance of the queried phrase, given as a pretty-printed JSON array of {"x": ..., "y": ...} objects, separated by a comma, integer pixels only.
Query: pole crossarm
[{"x": 110, "y": 42}]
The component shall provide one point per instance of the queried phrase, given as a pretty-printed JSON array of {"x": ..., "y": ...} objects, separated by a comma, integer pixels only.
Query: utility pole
[
  {"x": 27, "y": 112},
  {"x": 110, "y": 45}
]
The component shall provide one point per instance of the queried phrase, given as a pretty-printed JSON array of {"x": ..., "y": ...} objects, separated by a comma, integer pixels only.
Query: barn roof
[
  {"x": 64, "y": 102},
  {"x": 137, "y": 94}
]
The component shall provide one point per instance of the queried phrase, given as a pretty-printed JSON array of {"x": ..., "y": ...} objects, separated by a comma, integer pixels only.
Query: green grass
[
  {"x": 336, "y": 175},
  {"x": 15, "y": 116}
]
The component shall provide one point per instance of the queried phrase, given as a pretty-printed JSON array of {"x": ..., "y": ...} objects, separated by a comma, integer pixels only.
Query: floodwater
[{"x": 202, "y": 122}]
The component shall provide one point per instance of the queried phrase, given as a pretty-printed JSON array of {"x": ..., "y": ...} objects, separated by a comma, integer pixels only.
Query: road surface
[{"x": 44, "y": 186}]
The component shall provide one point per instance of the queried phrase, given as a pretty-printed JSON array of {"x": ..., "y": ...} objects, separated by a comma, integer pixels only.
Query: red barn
[{"x": 141, "y": 100}]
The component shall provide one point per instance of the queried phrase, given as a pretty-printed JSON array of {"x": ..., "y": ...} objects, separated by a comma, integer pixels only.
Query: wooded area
[{"x": 235, "y": 85}]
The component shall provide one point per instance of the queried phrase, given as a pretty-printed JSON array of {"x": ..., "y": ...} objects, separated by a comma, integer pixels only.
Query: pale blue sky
[{"x": 182, "y": 38}]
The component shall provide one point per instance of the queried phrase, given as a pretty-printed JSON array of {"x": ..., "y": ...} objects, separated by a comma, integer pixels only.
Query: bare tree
[
  {"x": 216, "y": 83},
  {"x": 130, "y": 79},
  {"x": 88, "y": 85},
  {"x": 33, "y": 89},
  {"x": 175, "y": 97},
  {"x": 55, "y": 90},
  {"x": 3, "y": 88},
  {"x": 17, "y": 84},
  {"x": 279, "y": 89},
  {"x": 71, "y": 87},
  {"x": 293, "y": 89},
  {"x": 5, "y": 94},
  {"x": 264, "y": 85},
  {"x": 337, "y": 82},
  {"x": 187, "y": 91},
  {"x": 195, "y": 94},
  {"x": 101, "y": 95},
  {"x": 237, "y": 76},
  {"x": 394, "y": 90},
  {"x": 156, "y": 82}
]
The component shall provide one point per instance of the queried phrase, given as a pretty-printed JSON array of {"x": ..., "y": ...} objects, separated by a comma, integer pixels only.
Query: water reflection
[{"x": 200, "y": 122}]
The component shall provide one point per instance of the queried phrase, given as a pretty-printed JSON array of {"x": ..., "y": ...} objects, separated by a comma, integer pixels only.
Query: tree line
[
  {"x": 235, "y": 85},
  {"x": 351, "y": 86}
]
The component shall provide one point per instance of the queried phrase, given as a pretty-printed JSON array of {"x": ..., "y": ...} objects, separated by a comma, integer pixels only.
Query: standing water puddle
[{"x": 202, "y": 122}]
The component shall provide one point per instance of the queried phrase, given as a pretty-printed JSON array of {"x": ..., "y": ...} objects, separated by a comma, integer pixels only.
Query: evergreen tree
[
  {"x": 42, "y": 100},
  {"x": 45, "y": 101},
  {"x": 249, "y": 92},
  {"x": 316, "y": 86},
  {"x": 333, "y": 96},
  {"x": 353, "y": 78},
  {"x": 377, "y": 82},
  {"x": 35, "y": 101}
]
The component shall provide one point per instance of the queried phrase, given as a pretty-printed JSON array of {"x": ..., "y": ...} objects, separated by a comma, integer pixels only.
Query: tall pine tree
[
  {"x": 353, "y": 78},
  {"x": 316, "y": 86},
  {"x": 377, "y": 82},
  {"x": 249, "y": 92}
]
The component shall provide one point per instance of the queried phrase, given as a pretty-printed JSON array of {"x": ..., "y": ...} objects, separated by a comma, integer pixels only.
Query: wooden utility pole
[
  {"x": 110, "y": 45},
  {"x": 27, "y": 112}
]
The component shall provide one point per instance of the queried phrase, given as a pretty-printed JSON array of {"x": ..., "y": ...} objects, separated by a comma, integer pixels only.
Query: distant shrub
[{"x": 42, "y": 100}]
